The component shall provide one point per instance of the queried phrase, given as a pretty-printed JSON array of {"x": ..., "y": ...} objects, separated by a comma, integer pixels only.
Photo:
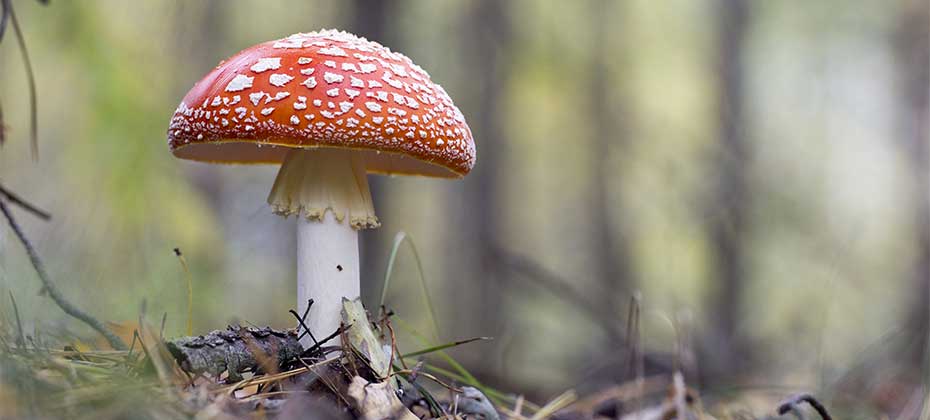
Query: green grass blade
[
  {"x": 443, "y": 347},
  {"x": 399, "y": 239},
  {"x": 469, "y": 378}
]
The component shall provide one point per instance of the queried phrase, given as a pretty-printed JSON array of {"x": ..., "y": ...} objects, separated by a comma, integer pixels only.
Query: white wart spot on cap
[
  {"x": 310, "y": 83},
  {"x": 256, "y": 97},
  {"x": 333, "y": 77},
  {"x": 280, "y": 80},
  {"x": 239, "y": 82},
  {"x": 264, "y": 64},
  {"x": 293, "y": 41},
  {"x": 333, "y": 51},
  {"x": 277, "y": 97}
]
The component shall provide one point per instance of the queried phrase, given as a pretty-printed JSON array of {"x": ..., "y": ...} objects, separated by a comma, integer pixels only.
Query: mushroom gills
[{"x": 314, "y": 180}]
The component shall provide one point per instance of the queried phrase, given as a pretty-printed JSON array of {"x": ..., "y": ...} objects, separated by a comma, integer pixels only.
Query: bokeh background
[{"x": 755, "y": 173}]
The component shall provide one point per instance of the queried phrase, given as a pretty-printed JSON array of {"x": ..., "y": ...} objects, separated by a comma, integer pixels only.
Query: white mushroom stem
[
  {"x": 327, "y": 271},
  {"x": 329, "y": 188}
]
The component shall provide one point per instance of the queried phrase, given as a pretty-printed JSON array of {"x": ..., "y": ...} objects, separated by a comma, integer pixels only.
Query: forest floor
[{"x": 248, "y": 372}]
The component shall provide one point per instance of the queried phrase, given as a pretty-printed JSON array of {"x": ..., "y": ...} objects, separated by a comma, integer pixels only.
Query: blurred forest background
[{"x": 756, "y": 173}]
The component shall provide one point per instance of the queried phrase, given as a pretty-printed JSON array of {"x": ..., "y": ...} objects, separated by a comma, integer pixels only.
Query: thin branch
[
  {"x": 21, "y": 339},
  {"x": 315, "y": 347},
  {"x": 19, "y": 201},
  {"x": 559, "y": 287},
  {"x": 4, "y": 16},
  {"x": 53, "y": 291},
  {"x": 796, "y": 400},
  {"x": 33, "y": 109},
  {"x": 302, "y": 322},
  {"x": 2, "y": 126}
]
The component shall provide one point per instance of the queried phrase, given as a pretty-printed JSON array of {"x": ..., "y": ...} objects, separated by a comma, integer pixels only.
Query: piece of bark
[{"x": 235, "y": 350}]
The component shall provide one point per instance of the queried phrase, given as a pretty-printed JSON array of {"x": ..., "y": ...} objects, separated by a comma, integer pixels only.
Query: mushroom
[{"x": 329, "y": 107}]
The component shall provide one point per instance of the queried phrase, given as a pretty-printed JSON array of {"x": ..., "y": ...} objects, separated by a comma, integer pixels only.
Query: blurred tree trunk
[
  {"x": 487, "y": 38},
  {"x": 725, "y": 350},
  {"x": 612, "y": 256},
  {"x": 912, "y": 57},
  {"x": 370, "y": 19}
]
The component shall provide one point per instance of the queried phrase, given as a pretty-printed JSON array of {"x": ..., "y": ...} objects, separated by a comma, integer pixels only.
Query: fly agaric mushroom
[{"x": 329, "y": 107}]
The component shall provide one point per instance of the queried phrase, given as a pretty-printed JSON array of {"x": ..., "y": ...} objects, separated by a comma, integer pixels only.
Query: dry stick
[
  {"x": 4, "y": 16},
  {"x": 30, "y": 78},
  {"x": 559, "y": 287},
  {"x": 17, "y": 200},
  {"x": 633, "y": 336},
  {"x": 2, "y": 127},
  {"x": 800, "y": 398},
  {"x": 52, "y": 290},
  {"x": 21, "y": 339},
  {"x": 426, "y": 375},
  {"x": 302, "y": 321},
  {"x": 320, "y": 344}
]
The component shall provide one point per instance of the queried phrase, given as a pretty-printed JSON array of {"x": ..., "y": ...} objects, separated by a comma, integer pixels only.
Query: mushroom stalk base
[{"x": 327, "y": 271}]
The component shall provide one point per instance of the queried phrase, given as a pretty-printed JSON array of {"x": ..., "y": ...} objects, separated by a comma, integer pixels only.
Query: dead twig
[
  {"x": 792, "y": 403},
  {"x": 52, "y": 290},
  {"x": 21, "y": 338},
  {"x": 9, "y": 13},
  {"x": 558, "y": 286},
  {"x": 302, "y": 321},
  {"x": 2, "y": 127},
  {"x": 413, "y": 373},
  {"x": 4, "y": 16},
  {"x": 19, "y": 201},
  {"x": 313, "y": 348}
]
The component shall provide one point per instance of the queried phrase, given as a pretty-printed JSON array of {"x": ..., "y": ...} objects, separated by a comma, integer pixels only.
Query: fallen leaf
[{"x": 377, "y": 401}]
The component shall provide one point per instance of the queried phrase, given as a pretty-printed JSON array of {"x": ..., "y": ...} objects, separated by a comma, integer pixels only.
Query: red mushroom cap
[{"x": 323, "y": 89}]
